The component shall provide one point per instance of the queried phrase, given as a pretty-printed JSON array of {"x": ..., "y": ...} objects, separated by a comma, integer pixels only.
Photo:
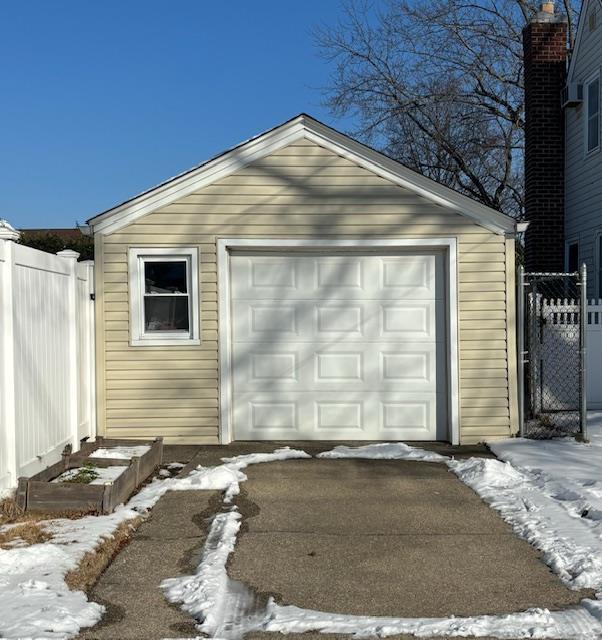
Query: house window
[
  {"x": 599, "y": 263},
  {"x": 572, "y": 258},
  {"x": 164, "y": 296},
  {"x": 593, "y": 115}
]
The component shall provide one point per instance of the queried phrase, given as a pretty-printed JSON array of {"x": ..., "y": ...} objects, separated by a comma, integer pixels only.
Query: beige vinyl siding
[{"x": 301, "y": 191}]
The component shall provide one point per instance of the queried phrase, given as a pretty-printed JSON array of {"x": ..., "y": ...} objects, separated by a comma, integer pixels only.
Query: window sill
[{"x": 164, "y": 342}]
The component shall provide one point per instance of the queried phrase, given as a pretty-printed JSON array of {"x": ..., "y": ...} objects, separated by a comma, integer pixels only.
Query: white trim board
[
  {"x": 226, "y": 245},
  {"x": 580, "y": 27},
  {"x": 301, "y": 127},
  {"x": 138, "y": 338}
]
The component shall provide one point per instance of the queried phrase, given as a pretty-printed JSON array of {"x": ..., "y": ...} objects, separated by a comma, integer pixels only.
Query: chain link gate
[{"x": 551, "y": 335}]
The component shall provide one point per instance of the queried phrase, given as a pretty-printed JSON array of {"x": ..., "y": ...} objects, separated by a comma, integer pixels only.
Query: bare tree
[{"x": 437, "y": 84}]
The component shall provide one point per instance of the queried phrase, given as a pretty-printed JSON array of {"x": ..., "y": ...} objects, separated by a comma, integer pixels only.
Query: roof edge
[{"x": 301, "y": 126}]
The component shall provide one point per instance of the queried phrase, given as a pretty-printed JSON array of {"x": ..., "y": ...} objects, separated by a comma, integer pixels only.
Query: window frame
[
  {"x": 567, "y": 250},
  {"x": 586, "y": 85},
  {"x": 137, "y": 258}
]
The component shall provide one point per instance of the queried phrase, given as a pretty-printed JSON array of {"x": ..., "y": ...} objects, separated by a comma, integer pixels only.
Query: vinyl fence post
[
  {"x": 583, "y": 353},
  {"x": 71, "y": 257},
  {"x": 9, "y": 459},
  {"x": 520, "y": 338}
]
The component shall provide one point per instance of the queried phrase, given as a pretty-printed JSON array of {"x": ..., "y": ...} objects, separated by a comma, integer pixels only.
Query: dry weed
[
  {"x": 95, "y": 562},
  {"x": 25, "y": 534}
]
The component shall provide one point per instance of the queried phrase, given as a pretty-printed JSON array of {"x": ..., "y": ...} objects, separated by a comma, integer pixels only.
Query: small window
[
  {"x": 599, "y": 263},
  {"x": 593, "y": 115},
  {"x": 164, "y": 296},
  {"x": 573, "y": 257},
  {"x": 593, "y": 19}
]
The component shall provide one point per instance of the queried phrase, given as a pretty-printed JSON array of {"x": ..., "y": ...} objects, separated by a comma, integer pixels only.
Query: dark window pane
[
  {"x": 593, "y": 98},
  {"x": 573, "y": 257},
  {"x": 593, "y": 128},
  {"x": 165, "y": 313},
  {"x": 165, "y": 277},
  {"x": 600, "y": 266}
]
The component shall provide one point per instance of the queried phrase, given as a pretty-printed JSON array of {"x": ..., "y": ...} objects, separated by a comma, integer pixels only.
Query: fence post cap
[
  {"x": 7, "y": 231},
  {"x": 68, "y": 253}
]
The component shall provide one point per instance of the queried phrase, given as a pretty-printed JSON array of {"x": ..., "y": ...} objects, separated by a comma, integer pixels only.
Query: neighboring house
[
  {"x": 303, "y": 286},
  {"x": 563, "y": 163},
  {"x": 583, "y": 160}
]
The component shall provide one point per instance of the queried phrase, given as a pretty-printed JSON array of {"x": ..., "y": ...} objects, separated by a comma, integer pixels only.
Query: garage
[
  {"x": 332, "y": 293},
  {"x": 338, "y": 345}
]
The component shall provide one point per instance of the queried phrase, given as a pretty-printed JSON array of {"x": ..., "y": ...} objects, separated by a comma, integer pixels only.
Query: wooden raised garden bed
[{"x": 48, "y": 493}]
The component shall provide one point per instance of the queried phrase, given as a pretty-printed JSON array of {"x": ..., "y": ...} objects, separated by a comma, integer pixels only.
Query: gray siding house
[{"x": 583, "y": 157}]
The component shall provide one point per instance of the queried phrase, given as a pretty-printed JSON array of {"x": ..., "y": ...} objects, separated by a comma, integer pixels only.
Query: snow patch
[
  {"x": 384, "y": 451},
  {"x": 105, "y": 475},
  {"x": 121, "y": 452}
]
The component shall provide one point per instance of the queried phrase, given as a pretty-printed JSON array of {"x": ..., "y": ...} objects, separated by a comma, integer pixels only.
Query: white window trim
[
  {"x": 138, "y": 338},
  {"x": 567, "y": 243},
  {"x": 224, "y": 247},
  {"x": 595, "y": 76}
]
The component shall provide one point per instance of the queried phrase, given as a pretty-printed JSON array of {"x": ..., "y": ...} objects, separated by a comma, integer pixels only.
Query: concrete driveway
[{"x": 367, "y": 537}]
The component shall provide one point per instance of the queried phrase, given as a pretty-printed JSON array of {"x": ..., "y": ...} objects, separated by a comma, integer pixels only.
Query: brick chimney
[{"x": 545, "y": 54}]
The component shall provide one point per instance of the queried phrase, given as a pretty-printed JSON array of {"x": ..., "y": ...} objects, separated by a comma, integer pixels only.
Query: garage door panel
[
  {"x": 343, "y": 277},
  {"x": 332, "y": 321},
  {"x": 337, "y": 347},
  {"x": 335, "y": 416},
  {"x": 365, "y": 368}
]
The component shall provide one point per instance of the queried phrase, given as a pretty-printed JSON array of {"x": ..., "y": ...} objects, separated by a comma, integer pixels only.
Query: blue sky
[{"x": 100, "y": 100}]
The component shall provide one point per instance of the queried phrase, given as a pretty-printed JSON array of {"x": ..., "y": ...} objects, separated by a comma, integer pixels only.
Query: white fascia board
[
  {"x": 263, "y": 145},
  {"x": 395, "y": 172},
  {"x": 191, "y": 181},
  {"x": 580, "y": 28}
]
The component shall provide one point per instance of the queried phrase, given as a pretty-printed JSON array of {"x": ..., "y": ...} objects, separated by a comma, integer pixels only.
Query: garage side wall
[{"x": 301, "y": 191}]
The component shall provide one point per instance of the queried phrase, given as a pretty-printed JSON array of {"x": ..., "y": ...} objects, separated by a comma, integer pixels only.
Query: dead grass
[
  {"x": 28, "y": 533},
  {"x": 95, "y": 562},
  {"x": 10, "y": 513}
]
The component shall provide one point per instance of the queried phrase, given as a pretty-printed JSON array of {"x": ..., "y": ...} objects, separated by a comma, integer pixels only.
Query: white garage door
[{"x": 338, "y": 347}]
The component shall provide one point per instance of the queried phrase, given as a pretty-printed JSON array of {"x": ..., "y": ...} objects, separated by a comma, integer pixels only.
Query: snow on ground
[
  {"x": 121, "y": 453},
  {"x": 554, "y": 500},
  {"x": 35, "y": 602},
  {"x": 104, "y": 475},
  {"x": 383, "y": 451}
]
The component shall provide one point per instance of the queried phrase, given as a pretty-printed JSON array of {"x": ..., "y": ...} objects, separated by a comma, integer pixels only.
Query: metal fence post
[
  {"x": 583, "y": 353},
  {"x": 520, "y": 337}
]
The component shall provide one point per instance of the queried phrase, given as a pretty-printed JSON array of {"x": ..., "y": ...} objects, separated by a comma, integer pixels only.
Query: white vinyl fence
[
  {"x": 561, "y": 346},
  {"x": 47, "y": 365}
]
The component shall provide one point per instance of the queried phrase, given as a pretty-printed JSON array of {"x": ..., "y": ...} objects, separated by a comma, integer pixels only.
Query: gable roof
[
  {"x": 300, "y": 127},
  {"x": 580, "y": 28}
]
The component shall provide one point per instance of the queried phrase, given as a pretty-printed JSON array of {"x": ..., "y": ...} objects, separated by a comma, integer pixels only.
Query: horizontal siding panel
[
  {"x": 481, "y": 365},
  {"x": 162, "y": 412},
  {"x": 140, "y": 405},
  {"x": 182, "y": 425},
  {"x": 181, "y": 440},
  {"x": 478, "y": 412},
  {"x": 180, "y": 395},
  {"x": 483, "y": 402},
  {"x": 164, "y": 384},
  {"x": 164, "y": 374},
  {"x": 165, "y": 354}
]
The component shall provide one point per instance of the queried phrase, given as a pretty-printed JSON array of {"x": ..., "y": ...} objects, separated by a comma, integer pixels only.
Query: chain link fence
[{"x": 552, "y": 344}]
